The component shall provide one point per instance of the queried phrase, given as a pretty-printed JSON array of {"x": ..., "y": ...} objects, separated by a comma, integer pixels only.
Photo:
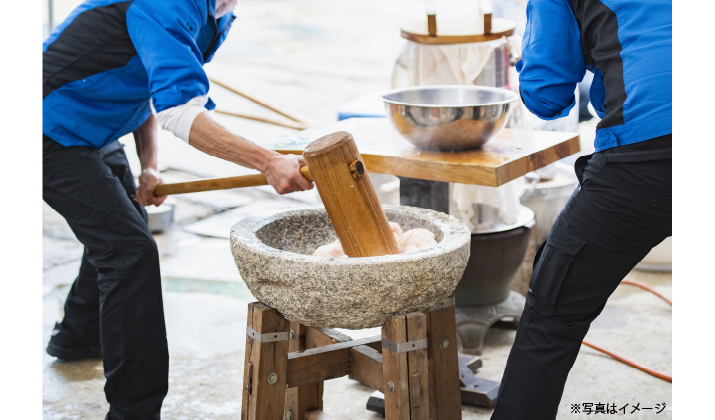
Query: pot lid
[{"x": 525, "y": 218}]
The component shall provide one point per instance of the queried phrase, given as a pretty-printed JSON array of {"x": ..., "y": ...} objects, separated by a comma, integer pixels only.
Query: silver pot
[
  {"x": 548, "y": 197},
  {"x": 160, "y": 218}
]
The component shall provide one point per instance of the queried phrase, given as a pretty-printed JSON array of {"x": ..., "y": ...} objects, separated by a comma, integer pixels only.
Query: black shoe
[{"x": 67, "y": 350}]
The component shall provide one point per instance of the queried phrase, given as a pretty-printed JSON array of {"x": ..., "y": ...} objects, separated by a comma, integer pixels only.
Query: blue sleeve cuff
[{"x": 541, "y": 111}]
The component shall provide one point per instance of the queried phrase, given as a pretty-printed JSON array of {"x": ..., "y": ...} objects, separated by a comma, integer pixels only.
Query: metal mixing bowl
[{"x": 449, "y": 118}]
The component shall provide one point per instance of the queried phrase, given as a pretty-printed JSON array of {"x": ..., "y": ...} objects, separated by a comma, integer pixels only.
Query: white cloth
[
  {"x": 450, "y": 64},
  {"x": 466, "y": 200},
  {"x": 224, "y": 7},
  {"x": 178, "y": 120}
]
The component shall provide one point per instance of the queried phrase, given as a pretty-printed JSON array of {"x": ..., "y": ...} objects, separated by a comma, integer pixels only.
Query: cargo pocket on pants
[{"x": 558, "y": 253}]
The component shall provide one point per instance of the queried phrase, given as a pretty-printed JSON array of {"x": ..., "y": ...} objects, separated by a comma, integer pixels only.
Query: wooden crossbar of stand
[{"x": 413, "y": 362}]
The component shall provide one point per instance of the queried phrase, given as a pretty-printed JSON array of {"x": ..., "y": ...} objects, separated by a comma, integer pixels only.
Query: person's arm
[
  {"x": 162, "y": 33},
  {"x": 552, "y": 60},
  {"x": 145, "y": 139},
  {"x": 282, "y": 171}
]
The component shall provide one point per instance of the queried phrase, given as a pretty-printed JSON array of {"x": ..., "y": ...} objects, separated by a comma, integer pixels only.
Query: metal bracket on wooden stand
[
  {"x": 404, "y": 347},
  {"x": 268, "y": 337},
  {"x": 445, "y": 304}
]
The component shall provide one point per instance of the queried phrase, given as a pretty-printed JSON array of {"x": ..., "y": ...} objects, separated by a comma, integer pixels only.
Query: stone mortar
[{"x": 273, "y": 252}]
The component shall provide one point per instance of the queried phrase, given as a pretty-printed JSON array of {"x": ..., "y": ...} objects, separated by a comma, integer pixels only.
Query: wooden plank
[
  {"x": 510, "y": 155},
  {"x": 445, "y": 402},
  {"x": 299, "y": 334},
  {"x": 304, "y": 398},
  {"x": 417, "y": 366},
  {"x": 457, "y": 31},
  {"x": 322, "y": 363},
  {"x": 366, "y": 367},
  {"x": 318, "y": 337},
  {"x": 375, "y": 346},
  {"x": 317, "y": 415},
  {"x": 247, "y": 368},
  {"x": 432, "y": 25},
  {"x": 313, "y": 338},
  {"x": 349, "y": 196},
  {"x": 264, "y": 400},
  {"x": 394, "y": 370}
]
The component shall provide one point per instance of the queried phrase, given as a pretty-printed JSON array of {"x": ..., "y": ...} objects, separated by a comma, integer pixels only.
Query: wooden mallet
[{"x": 349, "y": 197}]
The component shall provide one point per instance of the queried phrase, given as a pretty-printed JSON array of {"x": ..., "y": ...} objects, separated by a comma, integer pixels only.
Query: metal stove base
[
  {"x": 474, "y": 322},
  {"x": 473, "y": 390}
]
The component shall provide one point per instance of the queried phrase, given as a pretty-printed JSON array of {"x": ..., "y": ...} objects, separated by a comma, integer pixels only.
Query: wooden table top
[{"x": 512, "y": 154}]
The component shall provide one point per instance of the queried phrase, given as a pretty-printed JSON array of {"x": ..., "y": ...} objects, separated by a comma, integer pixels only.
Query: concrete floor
[
  {"x": 308, "y": 57},
  {"x": 205, "y": 334}
]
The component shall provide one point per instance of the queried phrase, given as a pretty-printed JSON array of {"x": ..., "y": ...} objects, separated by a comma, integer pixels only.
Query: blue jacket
[
  {"x": 102, "y": 65},
  {"x": 627, "y": 44}
]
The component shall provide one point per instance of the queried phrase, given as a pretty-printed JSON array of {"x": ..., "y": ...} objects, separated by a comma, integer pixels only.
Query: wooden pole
[
  {"x": 214, "y": 184},
  {"x": 303, "y": 398},
  {"x": 293, "y": 125},
  {"x": 349, "y": 196},
  {"x": 443, "y": 360},
  {"x": 418, "y": 368},
  {"x": 266, "y": 365},
  {"x": 395, "y": 371},
  {"x": 486, "y": 7},
  {"x": 255, "y": 100},
  {"x": 432, "y": 25}
]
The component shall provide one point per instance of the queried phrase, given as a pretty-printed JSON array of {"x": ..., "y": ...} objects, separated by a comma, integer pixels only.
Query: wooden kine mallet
[
  {"x": 213, "y": 184},
  {"x": 349, "y": 197}
]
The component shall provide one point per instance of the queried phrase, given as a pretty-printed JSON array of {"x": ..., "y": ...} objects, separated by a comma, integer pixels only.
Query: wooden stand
[
  {"x": 349, "y": 196},
  {"x": 459, "y": 31},
  {"x": 413, "y": 362}
]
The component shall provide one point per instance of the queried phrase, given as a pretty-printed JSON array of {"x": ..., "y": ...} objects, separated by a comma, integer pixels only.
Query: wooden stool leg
[
  {"x": 445, "y": 399},
  {"x": 304, "y": 398},
  {"x": 405, "y": 367},
  {"x": 394, "y": 371},
  {"x": 417, "y": 364},
  {"x": 266, "y": 366}
]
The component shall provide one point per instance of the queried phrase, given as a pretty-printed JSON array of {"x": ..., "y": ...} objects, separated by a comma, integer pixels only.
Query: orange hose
[
  {"x": 623, "y": 359},
  {"x": 646, "y": 287},
  {"x": 630, "y": 363}
]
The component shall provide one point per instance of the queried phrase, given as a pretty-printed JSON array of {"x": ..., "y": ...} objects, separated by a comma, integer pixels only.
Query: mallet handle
[{"x": 214, "y": 184}]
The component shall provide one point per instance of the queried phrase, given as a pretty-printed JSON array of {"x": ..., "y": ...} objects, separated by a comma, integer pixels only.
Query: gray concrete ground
[
  {"x": 205, "y": 316},
  {"x": 307, "y": 56}
]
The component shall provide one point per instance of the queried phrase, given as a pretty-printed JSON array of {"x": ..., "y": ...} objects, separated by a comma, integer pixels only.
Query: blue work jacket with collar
[
  {"x": 627, "y": 44},
  {"x": 108, "y": 59}
]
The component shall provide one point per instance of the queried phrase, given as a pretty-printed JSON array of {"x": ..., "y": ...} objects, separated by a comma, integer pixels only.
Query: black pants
[
  {"x": 116, "y": 299},
  {"x": 621, "y": 211}
]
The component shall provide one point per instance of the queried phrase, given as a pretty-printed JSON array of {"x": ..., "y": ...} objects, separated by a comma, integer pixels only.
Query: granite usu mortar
[{"x": 273, "y": 251}]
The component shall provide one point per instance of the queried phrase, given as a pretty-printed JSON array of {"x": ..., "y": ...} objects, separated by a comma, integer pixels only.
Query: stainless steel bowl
[{"x": 449, "y": 118}]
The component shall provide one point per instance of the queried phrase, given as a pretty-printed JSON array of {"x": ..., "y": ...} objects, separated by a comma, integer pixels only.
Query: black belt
[
  {"x": 658, "y": 148},
  {"x": 111, "y": 148},
  {"x": 104, "y": 151}
]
